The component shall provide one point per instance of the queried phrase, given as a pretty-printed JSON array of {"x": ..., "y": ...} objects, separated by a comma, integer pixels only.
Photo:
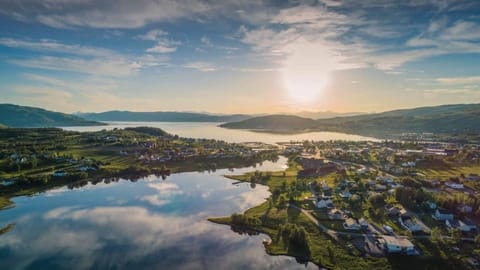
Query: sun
[{"x": 306, "y": 71}]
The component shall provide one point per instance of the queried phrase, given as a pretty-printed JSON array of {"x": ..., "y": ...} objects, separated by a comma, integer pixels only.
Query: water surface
[
  {"x": 213, "y": 131},
  {"x": 148, "y": 224}
]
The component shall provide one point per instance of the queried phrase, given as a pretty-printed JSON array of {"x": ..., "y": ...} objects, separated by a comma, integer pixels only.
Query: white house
[
  {"x": 324, "y": 203},
  {"x": 454, "y": 185},
  {"x": 394, "y": 244},
  {"x": 441, "y": 214}
]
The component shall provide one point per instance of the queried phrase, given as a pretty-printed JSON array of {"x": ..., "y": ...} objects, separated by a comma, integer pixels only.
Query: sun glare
[{"x": 305, "y": 73}]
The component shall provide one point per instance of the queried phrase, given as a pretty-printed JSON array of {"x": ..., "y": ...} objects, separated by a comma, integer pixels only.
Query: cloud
[
  {"x": 463, "y": 31},
  {"x": 153, "y": 35},
  {"x": 102, "y": 13},
  {"x": 155, "y": 200},
  {"x": 459, "y": 80},
  {"x": 46, "y": 45},
  {"x": 125, "y": 13},
  {"x": 106, "y": 67},
  {"x": 201, "y": 66},
  {"x": 162, "y": 47}
]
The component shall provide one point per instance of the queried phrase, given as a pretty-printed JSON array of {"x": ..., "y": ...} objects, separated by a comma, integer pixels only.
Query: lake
[
  {"x": 213, "y": 131},
  {"x": 147, "y": 224}
]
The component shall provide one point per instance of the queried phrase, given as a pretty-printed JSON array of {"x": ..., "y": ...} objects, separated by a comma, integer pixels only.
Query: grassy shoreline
[{"x": 273, "y": 215}]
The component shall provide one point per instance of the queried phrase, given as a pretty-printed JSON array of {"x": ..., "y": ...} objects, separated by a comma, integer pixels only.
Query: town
[
  {"x": 375, "y": 199},
  {"x": 33, "y": 160}
]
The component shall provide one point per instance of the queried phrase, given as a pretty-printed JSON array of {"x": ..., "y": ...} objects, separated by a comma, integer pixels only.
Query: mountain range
[
  {"x": 23, "y": 116},
  {"x": 438, "y": 119},
  {"x": 162, "y": 117}
]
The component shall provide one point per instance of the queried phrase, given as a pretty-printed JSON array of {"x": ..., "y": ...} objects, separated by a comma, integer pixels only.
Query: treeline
[
  {"x": 244, "y": 220},
  {"x": 294, "y": 238}
]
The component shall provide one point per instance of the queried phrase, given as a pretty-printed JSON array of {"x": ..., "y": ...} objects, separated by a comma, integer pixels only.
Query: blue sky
[{"x": 239, "y": 56}]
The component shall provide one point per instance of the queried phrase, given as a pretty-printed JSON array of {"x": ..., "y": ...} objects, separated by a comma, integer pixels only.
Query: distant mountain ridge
[
  {"x": 438, "y": 119},
  {"x": 325, "y": 114},
  {"x": 24, "y": 116},
  {"x": 162, "y": 117}
]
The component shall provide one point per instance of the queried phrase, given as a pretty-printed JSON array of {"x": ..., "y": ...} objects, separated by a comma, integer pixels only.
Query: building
[
  {"x": 408, "y": 223},
  {"x": 464, "y": 226},
  {"x": 336, "y": 214},
  {"x": 351, "y": 225},
  {"x": 441, "y": 214},
  {"x": 464, "y": 209},
  {"x": 345, "y": 194},
  {"x": 324, "y": 203},
  {"x": 60, "y": 173},
  {"x": 363, "y": 223},
  {"x": 392, "y": 210},
  {"x": 394, "y": 244},
  {"x": 454, "y": 185}
]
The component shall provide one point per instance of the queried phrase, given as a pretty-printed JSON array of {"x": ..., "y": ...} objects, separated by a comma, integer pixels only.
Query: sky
[{"x": 239, "y": 56}]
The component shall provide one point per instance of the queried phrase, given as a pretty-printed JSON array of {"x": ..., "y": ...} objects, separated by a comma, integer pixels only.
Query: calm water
[
  {"x": 149, "y": 224},
  {"x": 212, "y": 131}
]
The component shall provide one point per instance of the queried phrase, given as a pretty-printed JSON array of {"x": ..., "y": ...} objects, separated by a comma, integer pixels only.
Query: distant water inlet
[
  {"x": 212, "y": 131},
  {"x": 148, "y": 224}
]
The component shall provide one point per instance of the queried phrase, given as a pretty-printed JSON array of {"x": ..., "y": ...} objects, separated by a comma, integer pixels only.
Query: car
[{"x": 388, "y": 229}]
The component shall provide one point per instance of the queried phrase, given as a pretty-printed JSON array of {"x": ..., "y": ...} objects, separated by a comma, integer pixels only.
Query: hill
[
  {"x": 278, "y": 123},
  {"x": 459, "y": 118},
  {"x": 162, "y": 117},
  {"x": 23, "y": 116},
  {"x": 325, "y": 114}
]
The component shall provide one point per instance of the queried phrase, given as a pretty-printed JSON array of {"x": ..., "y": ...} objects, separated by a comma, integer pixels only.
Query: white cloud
[
  {"x": 153, "y": 35},
  {"x": 155, "y": 200},
  {"x": 162, "y": 47},
  {"x": 462, "y": 30},
  {"x": 46, "y": 45},
  {"x": 201, "y": 66},
  {"x": 459, "y": 80},
  {"x": 106, "y": 67}
]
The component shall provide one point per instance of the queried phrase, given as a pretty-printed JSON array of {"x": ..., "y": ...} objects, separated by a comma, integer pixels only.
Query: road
[{"x": 370, "y": 244}]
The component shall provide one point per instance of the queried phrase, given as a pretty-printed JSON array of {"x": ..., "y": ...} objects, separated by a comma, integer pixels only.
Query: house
[
  {"x": 380, "y": 188},
  {"x": 408, "y": 223},
  {"x": 363, "y": 223},
  {"x": 371, "y": 183},
  {"x": 441, "y": 214},
  {"x": 464, "y": 209},
  {"x": 60, "y": 173},
  {"x": 345, "y": 194},
  {"x": 87, "y": 168},
  {"x": 351, "y": 225},
  {"x": 324, "y": 203},
  {"x": 464, "y": 226},
  {"x": 392, "y": 210},
  {"x": 454, "y": 185},
  {"x": 336, "y": 214},
  {"x": 431, "y": 205},
  {"x": 7, "y": 182},
  {"x": 473, "y": 177},
  {"x": 472, "y": 261},
  {"x": 394, "y": 244}
]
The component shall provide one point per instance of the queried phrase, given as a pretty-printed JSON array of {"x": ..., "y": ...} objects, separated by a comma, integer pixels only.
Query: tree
[
  {"x": 436, "y": 235},
  {"x": 456, "y": 235},
  {"x": 34, "y": 162}
]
